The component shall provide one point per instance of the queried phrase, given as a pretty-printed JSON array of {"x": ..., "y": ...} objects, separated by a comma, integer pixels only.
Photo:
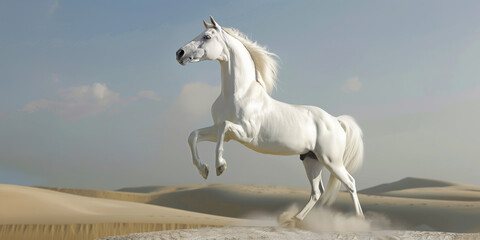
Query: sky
[{"x": 91, "y": 95}]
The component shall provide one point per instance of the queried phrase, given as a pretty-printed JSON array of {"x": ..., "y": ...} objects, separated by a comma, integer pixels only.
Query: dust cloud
[{"x": 322, "y": 219}]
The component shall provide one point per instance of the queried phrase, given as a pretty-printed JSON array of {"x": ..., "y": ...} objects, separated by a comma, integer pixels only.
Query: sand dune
[
  {"x": 408, "y": 204},
  {"x": 27, "y": 211},
  {"x": 29, "y": 205},
  {"x": 426, "y": 189},
  {"x": 217, "y": 199},
  {"x": 406, "y": 183},
  {"x": 411, "y": 203}
]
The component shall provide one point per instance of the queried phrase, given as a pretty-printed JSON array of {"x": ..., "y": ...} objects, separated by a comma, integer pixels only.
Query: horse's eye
[{"x": 207, "y": 37}]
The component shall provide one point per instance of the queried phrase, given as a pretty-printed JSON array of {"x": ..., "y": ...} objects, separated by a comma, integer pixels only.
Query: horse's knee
[
  {"x": 315, "y": 196},
  {"x": 315, "y": 193},
  {"x": 351, "y": 186}
]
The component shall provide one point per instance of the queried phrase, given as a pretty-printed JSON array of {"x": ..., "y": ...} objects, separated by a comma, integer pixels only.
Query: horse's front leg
[
  {"x": 234, "y": 131},
  {"x": 199, "y": 135}
]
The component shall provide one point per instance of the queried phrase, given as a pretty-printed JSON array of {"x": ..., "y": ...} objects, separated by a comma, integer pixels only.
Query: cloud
[
  {"x": 54, "y": 7},
  {"x": 77, "y": 102},
  {"x": 352, "y": 85},
  {"x": 37, "y": 104},
  {"x": 148, "y": 95},
  {"x": 194, "y": 102},
  {"x": 83, "y": 101}
]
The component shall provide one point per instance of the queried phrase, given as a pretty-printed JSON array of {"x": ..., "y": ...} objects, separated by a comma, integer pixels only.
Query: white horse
[{"x": 246, "y": 112}]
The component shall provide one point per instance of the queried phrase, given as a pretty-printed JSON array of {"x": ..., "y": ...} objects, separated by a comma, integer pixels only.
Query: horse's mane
[{"x": 265, "y": 62}]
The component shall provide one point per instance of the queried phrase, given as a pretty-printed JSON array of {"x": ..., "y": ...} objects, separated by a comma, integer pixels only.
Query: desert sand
[
  {"x": 403, "y": 208},
  {"x": 277, "y": 233},
  {"x": 34, "y": 213}
]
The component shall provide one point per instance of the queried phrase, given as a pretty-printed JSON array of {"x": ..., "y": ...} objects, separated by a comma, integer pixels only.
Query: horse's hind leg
[
  {"x": 199, "y": 135},
  {"x": 338, "y": 170},
  {"x": 312, "y": 155},
  {"x": 313, "y": 167}
]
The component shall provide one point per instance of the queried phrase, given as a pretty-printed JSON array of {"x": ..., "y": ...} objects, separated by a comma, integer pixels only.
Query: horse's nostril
[{"x": 180, "y": 53}]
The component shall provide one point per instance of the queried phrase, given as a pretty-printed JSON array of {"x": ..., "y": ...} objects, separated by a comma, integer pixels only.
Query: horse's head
[{"x": 208, "y": 45}]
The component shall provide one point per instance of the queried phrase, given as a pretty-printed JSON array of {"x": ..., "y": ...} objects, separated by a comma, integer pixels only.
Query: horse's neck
[{"x": 238, "y": 71}]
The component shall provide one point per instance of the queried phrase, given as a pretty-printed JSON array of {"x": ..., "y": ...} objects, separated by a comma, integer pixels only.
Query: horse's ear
[
  {"x": 207, "y": 25},
  {"x": 215, "y": 24}
]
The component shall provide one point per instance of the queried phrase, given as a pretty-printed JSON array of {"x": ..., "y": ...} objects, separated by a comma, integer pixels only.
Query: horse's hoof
[
  {"x": 221, "y": 169},
  {"x": 204, "y": 171},
  {"x": 287, "y": 221},
  {"x": 299, "y": 218}
]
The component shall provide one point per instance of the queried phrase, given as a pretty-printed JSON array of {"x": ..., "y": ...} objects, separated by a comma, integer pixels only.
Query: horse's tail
[{"x": 352, "y": 157}]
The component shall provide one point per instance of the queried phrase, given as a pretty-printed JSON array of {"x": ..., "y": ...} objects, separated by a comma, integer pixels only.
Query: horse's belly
[
  {"x": 291, "y": 142},
  {"x": 275, "y": 149}
]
